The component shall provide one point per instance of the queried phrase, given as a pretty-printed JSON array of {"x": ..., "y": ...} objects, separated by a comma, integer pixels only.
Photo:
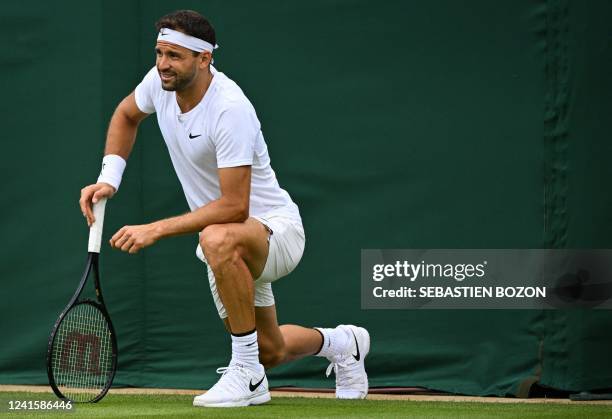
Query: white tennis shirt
[{"x": 221, "y": 131}]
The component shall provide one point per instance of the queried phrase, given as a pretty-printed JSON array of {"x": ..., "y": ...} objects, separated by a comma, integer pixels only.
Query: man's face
[{"x": 176, "y": 65}]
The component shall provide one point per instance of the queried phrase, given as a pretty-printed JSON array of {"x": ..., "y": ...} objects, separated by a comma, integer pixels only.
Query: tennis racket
[{"x": 82, "y": 351}]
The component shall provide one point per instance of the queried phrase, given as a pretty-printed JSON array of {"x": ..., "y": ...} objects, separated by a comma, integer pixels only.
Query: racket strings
[{"x": 82, "y": 361}]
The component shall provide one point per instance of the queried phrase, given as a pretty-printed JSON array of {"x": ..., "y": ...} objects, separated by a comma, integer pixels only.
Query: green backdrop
[{"x": 395, "y": 124}]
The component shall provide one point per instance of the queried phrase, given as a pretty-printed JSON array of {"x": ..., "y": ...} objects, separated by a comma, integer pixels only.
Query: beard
[{"x": 179, "y": 82}]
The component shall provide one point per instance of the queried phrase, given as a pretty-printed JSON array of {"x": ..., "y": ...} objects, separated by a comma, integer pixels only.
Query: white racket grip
[{"x": 95, "y": 231}]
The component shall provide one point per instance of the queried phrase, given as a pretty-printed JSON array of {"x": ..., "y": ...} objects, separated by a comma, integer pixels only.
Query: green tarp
[{"x": 443, "y": 124}]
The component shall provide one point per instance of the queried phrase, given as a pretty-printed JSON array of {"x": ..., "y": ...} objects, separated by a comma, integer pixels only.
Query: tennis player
[{"x": 250, "y": 231}]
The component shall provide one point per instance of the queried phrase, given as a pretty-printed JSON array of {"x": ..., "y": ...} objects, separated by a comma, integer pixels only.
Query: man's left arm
[{"x": 231, "y": 207}]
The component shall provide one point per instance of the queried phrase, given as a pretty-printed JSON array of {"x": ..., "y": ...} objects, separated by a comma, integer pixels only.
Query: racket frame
[{"x": 91, "y": 267}]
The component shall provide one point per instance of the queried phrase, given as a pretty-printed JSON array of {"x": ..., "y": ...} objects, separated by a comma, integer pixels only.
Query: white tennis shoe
[
  {"x": 238, "y": 386},
  {"x": 351, "y": 376}
]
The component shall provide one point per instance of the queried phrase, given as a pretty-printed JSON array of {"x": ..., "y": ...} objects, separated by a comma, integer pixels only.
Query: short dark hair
[{"x": 189, "y": 22}]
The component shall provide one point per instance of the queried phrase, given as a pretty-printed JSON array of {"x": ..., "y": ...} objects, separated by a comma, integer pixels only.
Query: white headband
[{"x": 184, "y": 40}]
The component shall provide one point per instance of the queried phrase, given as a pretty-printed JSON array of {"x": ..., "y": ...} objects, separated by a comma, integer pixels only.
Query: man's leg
[
  {"x": 281, "y": 344},
  {"x": 345, "y": 346},
  {"x": 236, "y": 253}
]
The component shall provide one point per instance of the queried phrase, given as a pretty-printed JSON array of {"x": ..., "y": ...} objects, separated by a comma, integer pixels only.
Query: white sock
[
  {"x": 245, "y": 350},
  {"x": 335, "y": 342}
]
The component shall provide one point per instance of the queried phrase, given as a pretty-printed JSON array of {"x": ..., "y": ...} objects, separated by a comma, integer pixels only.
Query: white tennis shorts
[{"x": 285, "y": 251}]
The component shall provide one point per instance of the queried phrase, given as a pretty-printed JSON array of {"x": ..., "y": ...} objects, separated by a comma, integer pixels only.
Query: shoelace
[
  {"x": 225, "y": 381},
  {"x": 223, "y": 370},
  {"x": 343, "y": 380}
]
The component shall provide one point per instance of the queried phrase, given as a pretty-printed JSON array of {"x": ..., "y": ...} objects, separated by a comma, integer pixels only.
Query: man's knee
[
  {"x": 218, "y": 244},
  {"x": 271, "y": 355}
]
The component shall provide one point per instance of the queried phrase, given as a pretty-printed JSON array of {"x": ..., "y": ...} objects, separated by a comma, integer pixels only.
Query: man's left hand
[{"x": 133, "y": 238}]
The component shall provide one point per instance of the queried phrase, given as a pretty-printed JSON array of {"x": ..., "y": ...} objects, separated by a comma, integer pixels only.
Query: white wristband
[{"x": 112, "y": 170}]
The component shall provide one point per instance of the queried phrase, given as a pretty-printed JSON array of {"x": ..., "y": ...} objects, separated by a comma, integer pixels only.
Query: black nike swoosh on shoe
[
  {"x": 358, "y": 356},
  {"x": 252, "y": 386},
  {"x": 194, "y": 136}
]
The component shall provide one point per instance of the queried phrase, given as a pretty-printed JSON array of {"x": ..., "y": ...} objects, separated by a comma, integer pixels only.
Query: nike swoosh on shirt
[
  {"x": 252, "y": 386},
  {"x": 194, "y": 136},
  {"x": 358, "y": 356}
]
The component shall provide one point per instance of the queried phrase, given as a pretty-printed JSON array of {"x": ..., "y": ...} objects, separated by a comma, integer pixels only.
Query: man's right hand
[{"x": 92, "y": 194}]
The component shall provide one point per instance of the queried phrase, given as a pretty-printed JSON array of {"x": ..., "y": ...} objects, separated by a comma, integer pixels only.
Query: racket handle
[{"x": 95, "y": 231}]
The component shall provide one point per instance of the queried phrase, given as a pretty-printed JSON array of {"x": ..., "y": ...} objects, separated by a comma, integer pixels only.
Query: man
[{"x": 250, "y": 230}]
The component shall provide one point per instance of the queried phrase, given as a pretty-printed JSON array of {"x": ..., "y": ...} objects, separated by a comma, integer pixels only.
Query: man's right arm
[
  {"x": 123, "y": 127},
  {"x": 120, "y": 139}
]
